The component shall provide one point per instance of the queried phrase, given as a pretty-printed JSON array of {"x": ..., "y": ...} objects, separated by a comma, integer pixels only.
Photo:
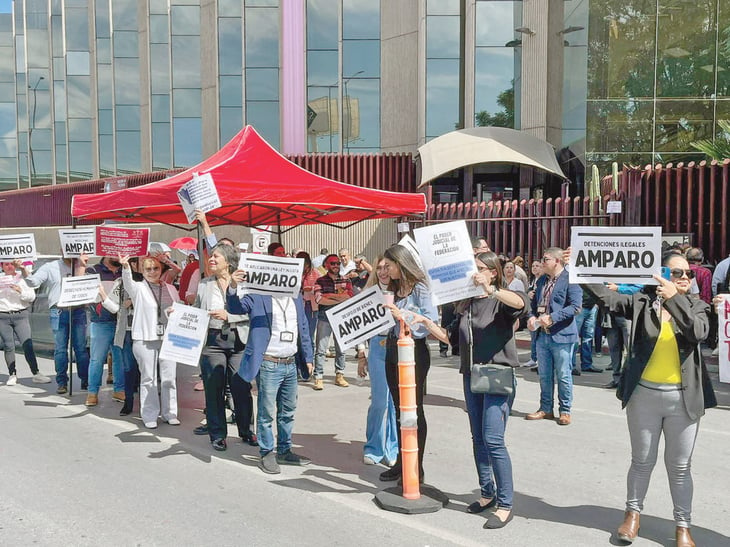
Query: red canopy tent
[{"x": 256, "y": 186}]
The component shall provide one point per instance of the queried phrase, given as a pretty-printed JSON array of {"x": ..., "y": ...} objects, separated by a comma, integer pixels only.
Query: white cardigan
[{"x": 144, "y": 321}]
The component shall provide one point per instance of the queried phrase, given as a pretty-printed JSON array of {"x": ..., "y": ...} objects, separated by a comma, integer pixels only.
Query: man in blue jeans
[
  {"x": 552, "y": 316},
  {"x": 101, "y": 333},
  {"x": 278, "y": 328},
  {"x": 62, "y": 325},
  {"x": 585, "y": 323}
]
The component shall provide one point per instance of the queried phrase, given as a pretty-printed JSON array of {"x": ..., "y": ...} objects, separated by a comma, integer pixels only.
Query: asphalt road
[{"x": 73, "y": 476}]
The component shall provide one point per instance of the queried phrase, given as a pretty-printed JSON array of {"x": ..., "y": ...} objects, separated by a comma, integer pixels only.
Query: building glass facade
[{"x": 92, "y": 88}]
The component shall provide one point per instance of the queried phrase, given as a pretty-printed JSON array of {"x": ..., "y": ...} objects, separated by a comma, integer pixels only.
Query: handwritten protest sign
[
  {"x": 359, "y": 318},
  {"x": 448, "y": 260},
  {"x": 723, "y": 342},
  {"x": 79, "y": 291},
  {"x": 76, "y": 242},
  {"x": 185, "y": 335},
  {"x": 199, "y": 193},
  {"x": 273, "y": 275},
  {"x": 610, "y": 254},
  {"x": 116, "y": 240},
  {"x": 17, "y": 246}
]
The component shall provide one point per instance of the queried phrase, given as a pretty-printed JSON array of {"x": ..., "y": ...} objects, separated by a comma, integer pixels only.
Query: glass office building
[{"x": 92, "y": 88}]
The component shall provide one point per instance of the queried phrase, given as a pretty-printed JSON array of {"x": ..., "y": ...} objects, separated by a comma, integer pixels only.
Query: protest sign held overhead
[
  {"x": 199, "y": 193},
  {"x": 20, "y": 246},
  {"x": 359, "y": 318},
  {"x": 79, "y": 291},
  {"x": 76, "y": 242},
  {"x": 116, "y": 240},
  {"x": 448, "y": 260},
  {"x": 610, "y": 254},
  {"x": 272, "y": 275},
  {"x": 185, "y": 335}
]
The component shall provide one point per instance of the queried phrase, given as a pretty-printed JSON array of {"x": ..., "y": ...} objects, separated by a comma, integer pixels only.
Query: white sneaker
[
  {"x": 12, "y": 380},
  {"x": 150, "y": 425},
  {"x": 716, "y": 352},
  {"x": 367, "y": 460},
  {"x": 39, "y": 378},
  {"x": 529, "y": 363},
  {"x": 173, "y": 421}
]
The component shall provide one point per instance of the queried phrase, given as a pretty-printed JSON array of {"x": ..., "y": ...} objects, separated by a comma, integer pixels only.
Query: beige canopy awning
[{"x": 484, "y": 145}]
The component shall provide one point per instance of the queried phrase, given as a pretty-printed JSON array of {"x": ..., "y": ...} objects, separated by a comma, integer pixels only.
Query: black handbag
[{"x": 489, "y": 378}]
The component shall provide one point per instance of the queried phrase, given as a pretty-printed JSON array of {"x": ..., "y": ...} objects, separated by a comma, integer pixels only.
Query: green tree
[
  {"x": 719, "y": 149},
  {"x": 503, "y": 118}
]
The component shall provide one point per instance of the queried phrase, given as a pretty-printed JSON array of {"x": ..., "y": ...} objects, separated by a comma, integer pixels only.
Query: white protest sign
[
  {"x": 185, "y": 335},
  {"x": 17, "y": 246},
  {"x": 273, "y": 275},
  {"x": 407, "y": 242},
  {"x": 261, "y": 239},
  {"x": 79, "y": 291},
  {"x": 359, "y": 318},
  {"x": 610, "y": 254},
  {"x": 199, "y": 193},
  {"x": 723, "y": 338},
  {"x": 76, "y": 242},
  {"x": 448, "y": 260}
]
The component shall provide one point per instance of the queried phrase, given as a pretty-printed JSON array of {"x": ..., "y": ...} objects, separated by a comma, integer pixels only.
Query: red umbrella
[{"x": 185, "y": 243}]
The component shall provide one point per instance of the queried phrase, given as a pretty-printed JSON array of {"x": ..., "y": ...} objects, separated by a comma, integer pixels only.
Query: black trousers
[
  {"x": 423, "y": 364},
  {"x": 219, "y": 365}
]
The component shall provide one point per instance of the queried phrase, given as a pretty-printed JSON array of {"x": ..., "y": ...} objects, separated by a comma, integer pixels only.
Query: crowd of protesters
[{"x": 275, "y": 342}]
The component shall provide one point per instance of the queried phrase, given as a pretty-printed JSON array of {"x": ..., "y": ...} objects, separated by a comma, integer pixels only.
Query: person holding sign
[
  {"x": 65, "y": 323},
  {"x": 15, "y": 297},
  {"x": 152, "y": 300},
  {"x": 278, "y": 329},
  {"x": 223, "y": 351},
  {"x": 486, "y": 336},
  {"x": 664, "y": 388},
  {"x": 413, "y": 304}
]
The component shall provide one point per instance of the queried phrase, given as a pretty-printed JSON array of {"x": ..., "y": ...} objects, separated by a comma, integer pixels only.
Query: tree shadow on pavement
[{"x": 658, "y": 530}]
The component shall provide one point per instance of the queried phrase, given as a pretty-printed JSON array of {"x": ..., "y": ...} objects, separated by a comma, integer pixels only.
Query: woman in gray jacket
[
  {"x": 223, "y": 351},
  {"x": 664, "y": 387}
]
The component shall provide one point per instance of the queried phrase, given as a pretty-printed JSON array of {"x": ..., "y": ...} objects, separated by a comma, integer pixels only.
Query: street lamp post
[
  {"x": 346, "y": 133},
  {"x": 30, "y": 130}
]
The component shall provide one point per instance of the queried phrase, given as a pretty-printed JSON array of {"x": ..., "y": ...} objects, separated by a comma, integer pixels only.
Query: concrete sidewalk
[{"x": 569, "y": 481}]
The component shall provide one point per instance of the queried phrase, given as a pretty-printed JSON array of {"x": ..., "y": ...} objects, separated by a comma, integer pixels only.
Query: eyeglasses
[
  {"x": 678, "y": 273},
  {"x": 548, "y": 259},
  {"x": 334, "y": 263},
  {"x": 485, "y": 268}
]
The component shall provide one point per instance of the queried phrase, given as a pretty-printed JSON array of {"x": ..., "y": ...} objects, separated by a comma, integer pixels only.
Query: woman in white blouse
[{"x": 152, "y": 300}]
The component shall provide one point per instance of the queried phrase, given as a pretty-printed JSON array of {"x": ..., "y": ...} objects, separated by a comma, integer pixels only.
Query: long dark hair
[
  {"x": 307, "y": 261},
  {"x": 410, "y": 272},
  {"x": 490, "y": 260}
]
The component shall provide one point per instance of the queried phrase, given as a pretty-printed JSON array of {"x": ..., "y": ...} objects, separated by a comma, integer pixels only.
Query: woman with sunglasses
[
  {"x": 486, "y": 336},
  {"x": 152, "y": 299},
  {"x": 664, "y": 387}
]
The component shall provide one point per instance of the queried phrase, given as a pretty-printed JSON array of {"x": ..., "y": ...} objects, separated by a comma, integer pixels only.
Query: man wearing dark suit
[
  {"x": 553, "y": 310},
  {"x": 278, "y": 328}
]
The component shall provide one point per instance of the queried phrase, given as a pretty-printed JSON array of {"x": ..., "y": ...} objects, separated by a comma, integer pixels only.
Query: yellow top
[{"x": 664, "y": 366}]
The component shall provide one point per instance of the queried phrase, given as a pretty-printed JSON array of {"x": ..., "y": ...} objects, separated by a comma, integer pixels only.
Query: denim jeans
[
  {"x": 618, "y": 340},
  {"x": 533, "y": 345},
  {"x": 586, "y": 323},
  {"x": 102, "y": 340},
  {"x": 381, "y": 432},
  {"x": 488, "y": 420},
  {"x": 554, "y": 364},
  {"x": 60, "y": 327},
  {"x": 219, "y": 365},
  {"x": 131, "y": 369},
  {"x": 324, "y": 332},
  {"x": 277, "y": 385}
]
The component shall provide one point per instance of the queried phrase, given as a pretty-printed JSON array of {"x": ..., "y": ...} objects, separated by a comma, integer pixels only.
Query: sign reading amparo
[
  {"x": 273, "y": 275},
  {"x": 20, "y": 246},
  {"x": 76, "y": 242},
  {"x": 359, "y": 318},
  {"x": 609, "y": 254}
]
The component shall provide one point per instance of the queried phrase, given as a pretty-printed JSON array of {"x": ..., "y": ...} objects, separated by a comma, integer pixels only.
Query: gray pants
[
  {"x": 17, "y": 323},
  {"x": 649, "y": 413}
]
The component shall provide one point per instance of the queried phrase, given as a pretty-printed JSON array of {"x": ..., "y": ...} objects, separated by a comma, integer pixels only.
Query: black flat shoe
[
  {"x": 592, "y": 369},
  {"x": 493, "y": 522},
  {"x": 219, "y": 444},
  {"x": 477, "y": 507},
  {"x": 126, "y": 408},
  {"x": 201, "y": 430},
  {"x": 250, "y": 438},
  {"x": 392, "y": 474}
]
